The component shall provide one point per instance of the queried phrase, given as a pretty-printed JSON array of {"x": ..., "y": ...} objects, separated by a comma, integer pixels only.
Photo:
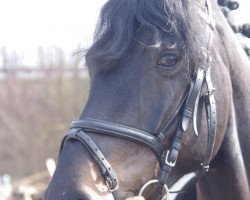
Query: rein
[{"x": 186, "y": 111}]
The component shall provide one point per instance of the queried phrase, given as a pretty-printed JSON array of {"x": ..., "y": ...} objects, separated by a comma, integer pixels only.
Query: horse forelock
[{"x": 122, "y": 22}]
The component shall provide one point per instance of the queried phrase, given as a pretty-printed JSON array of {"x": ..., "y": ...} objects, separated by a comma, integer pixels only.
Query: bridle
[{"x": 186, "y": 111}]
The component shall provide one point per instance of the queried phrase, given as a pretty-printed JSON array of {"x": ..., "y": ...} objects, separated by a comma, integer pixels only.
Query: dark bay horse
[{"x": 168, "y": 78}]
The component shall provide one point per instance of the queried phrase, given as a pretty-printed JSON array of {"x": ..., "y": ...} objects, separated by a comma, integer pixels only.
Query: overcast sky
[{"x": 27, "y": 24}]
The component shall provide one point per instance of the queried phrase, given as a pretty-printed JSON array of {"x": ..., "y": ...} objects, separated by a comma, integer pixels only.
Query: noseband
[{"x": 186, "y": 111}]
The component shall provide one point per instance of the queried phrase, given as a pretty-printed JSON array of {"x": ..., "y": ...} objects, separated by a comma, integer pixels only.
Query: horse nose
[{"x": 67, "y": 195}]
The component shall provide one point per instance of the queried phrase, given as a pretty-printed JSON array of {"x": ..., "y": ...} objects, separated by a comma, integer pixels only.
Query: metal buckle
[
  {"x": 211, "y": 91},
  {"x": 205, "y": 168},
  {"x": 153, "y": 181},
  {"x": 109, "y": 184},
  {"x": 169, "y": 163}
]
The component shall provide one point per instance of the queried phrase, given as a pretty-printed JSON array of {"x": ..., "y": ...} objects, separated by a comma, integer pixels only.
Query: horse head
[{"x": 159, "y": 105}]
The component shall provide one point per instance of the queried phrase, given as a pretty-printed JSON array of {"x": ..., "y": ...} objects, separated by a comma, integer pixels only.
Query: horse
[{"x": 169, "y": 95}]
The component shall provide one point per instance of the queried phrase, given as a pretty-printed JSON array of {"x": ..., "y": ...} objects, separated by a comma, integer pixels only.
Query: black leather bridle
[{"x": 186, "y": 111}]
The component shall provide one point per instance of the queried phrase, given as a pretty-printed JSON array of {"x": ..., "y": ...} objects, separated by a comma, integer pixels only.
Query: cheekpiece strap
[{"x": 104, "y": 166}]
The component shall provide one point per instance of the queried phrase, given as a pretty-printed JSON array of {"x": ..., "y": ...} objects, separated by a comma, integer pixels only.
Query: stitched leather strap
[
  {"x": 104, "y": 166},
  {"x": 171, "y": 155},
  {"x": 120, "y": 131},
  {"x": 162, "y": 134}
]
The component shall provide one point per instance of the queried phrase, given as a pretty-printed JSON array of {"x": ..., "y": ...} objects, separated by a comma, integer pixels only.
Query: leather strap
[
  {"x": 191, "y": 107},
  {"x": 162, "y": 134},
  {"x": 120, "y": 131},
  {"x": 191, "y": 101},
  {"x": 209, "y": 100},
  {"x": 104, "y": 166},
  {"x": 212, "y": 121},
  {"x": 171, "y": 155}
]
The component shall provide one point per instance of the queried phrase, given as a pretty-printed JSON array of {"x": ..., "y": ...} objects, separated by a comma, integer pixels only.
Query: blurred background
[{"x": 44, "y": 82}]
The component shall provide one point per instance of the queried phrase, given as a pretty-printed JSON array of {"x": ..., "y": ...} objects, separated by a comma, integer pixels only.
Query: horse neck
[
  {"x": 237, "y": 62},
  {"x": 230, "y": 178},
  {"x": 240, "y": 77},
  {"x": 227, "y": 178}
]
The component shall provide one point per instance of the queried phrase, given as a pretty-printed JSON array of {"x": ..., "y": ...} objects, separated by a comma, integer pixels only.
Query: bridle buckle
[
  {"x": 169, "y": 163},
  {"x": 211, "y": 91},
  {"x": 110, "y": 185},
  {"x": 204, "y": 168}
]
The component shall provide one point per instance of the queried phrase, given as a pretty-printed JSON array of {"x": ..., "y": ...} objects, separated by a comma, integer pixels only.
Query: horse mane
[{"x": 123, "y": 21}]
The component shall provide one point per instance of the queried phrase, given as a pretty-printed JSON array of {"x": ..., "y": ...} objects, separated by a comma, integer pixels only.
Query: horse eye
[{"x": 168, "y": 60}]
